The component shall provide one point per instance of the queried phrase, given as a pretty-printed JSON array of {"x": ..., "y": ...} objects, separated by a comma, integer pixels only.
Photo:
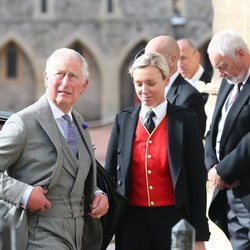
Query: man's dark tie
[
  {"x": 73, "y": 134},
  {"x": 235, "y": 95},
  {"x": 149, "y": 123}
]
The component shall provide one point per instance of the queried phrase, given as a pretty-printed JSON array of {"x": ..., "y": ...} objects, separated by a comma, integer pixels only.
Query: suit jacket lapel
[
  {"x": 175, "y": 138},
  {"x": 172, "y": 94},
  {"x": 222, "y": 96},
  {"x": 80, "y": 123},
  {"x": 234, "y": 111},
  {"x": 44, "y": 117},
  {"x": 129, "y": 125}
]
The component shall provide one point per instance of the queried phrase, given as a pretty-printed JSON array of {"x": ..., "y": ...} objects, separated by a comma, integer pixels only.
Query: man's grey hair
[
  {"x": 226, "y": 42},
  {"x": 72, "y": 53}
]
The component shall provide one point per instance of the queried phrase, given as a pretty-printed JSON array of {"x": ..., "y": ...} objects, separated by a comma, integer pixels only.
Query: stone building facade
[{"x": 109, "y": 33}]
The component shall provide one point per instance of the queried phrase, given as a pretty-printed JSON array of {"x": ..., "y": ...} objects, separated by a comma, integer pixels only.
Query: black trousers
[{"x": 147, "y": 228}]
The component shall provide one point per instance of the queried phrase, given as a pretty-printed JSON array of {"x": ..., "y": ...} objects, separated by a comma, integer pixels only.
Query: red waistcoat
[{"x": 150, "y": 180}]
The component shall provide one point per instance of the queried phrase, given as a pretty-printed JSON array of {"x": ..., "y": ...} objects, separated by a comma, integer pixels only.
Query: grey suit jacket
[{"x": 31, "y": 154}]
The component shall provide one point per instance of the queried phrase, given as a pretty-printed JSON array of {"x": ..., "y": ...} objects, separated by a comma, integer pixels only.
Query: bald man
[{"x": 178, "y": 91}]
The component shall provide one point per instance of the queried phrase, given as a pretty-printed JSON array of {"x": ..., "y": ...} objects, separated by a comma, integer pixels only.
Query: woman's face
[{"x": 150, "y": 85}]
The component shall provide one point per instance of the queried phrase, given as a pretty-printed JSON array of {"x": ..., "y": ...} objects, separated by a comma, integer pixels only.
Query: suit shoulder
[
  {"x": 189, "y": 88},
  {"x": 206, "y": 76},
  {"x": 180, "y": 110},
  {"x": 127, "y": 110}
]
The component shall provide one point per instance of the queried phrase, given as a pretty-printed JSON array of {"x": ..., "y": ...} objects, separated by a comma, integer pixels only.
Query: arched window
[
  {"x": 44, "y": 6},
  {"x": 77, "y": 46},
  {"x": 110, "y": 6},
  {"x": 11, "y": 61}
]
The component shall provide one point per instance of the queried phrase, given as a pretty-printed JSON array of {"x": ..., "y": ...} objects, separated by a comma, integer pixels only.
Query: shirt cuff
[
  {"x": 25, "y": 196},
  {"x": 100, "y": 192}
]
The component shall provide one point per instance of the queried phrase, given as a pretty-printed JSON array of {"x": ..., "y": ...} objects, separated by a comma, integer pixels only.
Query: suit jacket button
[
  {"x": 118, "y": 167},
  {"x": 119, "y": 183},
  {"x": 118, "y": 151}
]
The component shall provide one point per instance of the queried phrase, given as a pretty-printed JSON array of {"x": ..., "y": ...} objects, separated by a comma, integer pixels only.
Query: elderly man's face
[
  {"x": 230, "y": 68},
  {"x": 64, "y": 81}
]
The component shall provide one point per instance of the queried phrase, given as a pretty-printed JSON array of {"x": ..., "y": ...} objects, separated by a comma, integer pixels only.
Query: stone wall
[{"x": 108, "y": 40}]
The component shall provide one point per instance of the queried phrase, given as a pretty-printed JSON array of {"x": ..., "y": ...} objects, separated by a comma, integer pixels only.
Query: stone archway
[
  {"x": 18, "y": 90},
  {"x": 127, "y": 92},
  {"x": 92, "y": 96}
]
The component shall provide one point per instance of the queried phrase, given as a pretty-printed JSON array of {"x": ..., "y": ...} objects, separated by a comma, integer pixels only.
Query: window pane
[
  {"x": 11, "y": 61},
  {"x": 44, "y": 6},
  {"x": 110, "y": 6}
]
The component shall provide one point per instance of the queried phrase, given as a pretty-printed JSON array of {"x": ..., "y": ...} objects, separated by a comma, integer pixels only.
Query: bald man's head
[{"x": 168, "y": 48}]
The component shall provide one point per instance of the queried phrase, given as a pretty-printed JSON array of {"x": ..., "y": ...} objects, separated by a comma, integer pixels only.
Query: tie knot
[
  {"x": 66, "y": 117},
  {"x": 150, "y": 114}
]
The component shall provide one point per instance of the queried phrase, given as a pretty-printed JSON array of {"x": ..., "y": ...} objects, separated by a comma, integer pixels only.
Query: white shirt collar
[
  {"x": 196, "y": 77},
  {"x": 159, "y": 111},
  {"x": 247, "y": 76},
  {"x": 171, "y": 80},
  {"x": 56, "y": 112}
]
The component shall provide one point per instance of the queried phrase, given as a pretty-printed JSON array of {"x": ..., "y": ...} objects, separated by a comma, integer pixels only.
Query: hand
[
  {"x": 37, "y": 200},
  {"x": 199, "y": 245},
  {"x": 216, "y": 180},
  {"x": 100, "y": 205}
]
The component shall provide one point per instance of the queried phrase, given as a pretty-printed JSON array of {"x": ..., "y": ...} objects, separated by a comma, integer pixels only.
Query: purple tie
[{"x": 73, "y": 134}]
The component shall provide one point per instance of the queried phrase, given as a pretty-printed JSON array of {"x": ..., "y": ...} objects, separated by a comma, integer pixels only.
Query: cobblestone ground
[{"x": 100, "y": 137}]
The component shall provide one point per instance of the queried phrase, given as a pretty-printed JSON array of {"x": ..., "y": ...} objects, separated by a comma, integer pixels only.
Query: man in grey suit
[
  {"x": 40, "y": 173},
  {"x": 179, "y": 91},
  {"x": 227, "y": 144}
]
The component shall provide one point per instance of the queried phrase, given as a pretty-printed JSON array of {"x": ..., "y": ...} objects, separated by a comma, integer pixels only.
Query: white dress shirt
[
  {"x": 196, "y": 77},
  {"x": 160, "y": 112}
]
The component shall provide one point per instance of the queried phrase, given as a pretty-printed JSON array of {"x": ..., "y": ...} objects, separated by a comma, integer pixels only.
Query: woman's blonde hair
[{"x": 150, "y": 59}]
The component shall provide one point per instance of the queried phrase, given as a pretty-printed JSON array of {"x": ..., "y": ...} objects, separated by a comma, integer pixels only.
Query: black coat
[
  {"x": 184, "y": 94},
  {"x": 186, "y": 161},
  {"x": 234, "y": 162},
  {"x": 117, "y": 205},
  {"x": 206, "y": 77}
]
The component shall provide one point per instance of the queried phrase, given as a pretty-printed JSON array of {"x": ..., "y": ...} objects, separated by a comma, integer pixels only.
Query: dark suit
[
  {"x": 206, "y": 76},
  {"x": 184, "y": 94},
  {"x": 186, "y": 167},
  {"x": 234, "y": 153}
]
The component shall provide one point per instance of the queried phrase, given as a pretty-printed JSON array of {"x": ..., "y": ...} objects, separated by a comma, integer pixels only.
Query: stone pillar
[{"x": 183, "y": 236}]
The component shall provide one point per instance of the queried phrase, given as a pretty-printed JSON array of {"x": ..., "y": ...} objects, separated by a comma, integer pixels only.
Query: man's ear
[
  {"x": 198, "y": 55},
  {"x": 172, "y": 60},
  {"x": 84, "y": 85}
]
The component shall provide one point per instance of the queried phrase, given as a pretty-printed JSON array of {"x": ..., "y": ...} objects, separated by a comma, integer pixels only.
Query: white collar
[
  {"x": 196, "y": 77},
  {"x": 159, "y": 110},
  {"x": 56, "y": 112}
]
